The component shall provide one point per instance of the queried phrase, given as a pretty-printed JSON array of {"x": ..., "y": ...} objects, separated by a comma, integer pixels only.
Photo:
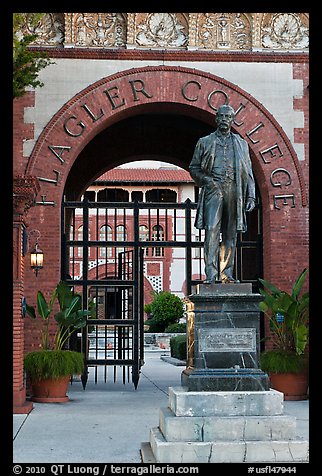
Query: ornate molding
[
  {"x": 50, "y": 30},
  {"x": 285, "y": 31},
  {"x": 163, "y": 30},
  {"x": 99, "y": 30},
  {"x": 174, "y": 31},
  {"x": 25, "y": 190},
  {"x": 224, "y": 31},
  {"x": 191, "y": 55}
]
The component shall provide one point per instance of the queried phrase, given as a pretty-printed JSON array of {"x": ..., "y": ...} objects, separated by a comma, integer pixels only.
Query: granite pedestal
[{"x": 223, "y": 339}]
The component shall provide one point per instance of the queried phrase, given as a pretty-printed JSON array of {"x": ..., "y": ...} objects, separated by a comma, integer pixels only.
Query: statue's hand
[
  {"x": 207, "y": 180},
  {"x": 212, "y": 186},
  {"x": 250, "y": 204}
]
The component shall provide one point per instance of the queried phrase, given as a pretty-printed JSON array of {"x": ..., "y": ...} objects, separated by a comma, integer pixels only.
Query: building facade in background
[{"x": 164, "y": 267}]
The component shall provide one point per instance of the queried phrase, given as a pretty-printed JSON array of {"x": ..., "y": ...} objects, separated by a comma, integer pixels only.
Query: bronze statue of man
[{"x": 222, "y": 168}]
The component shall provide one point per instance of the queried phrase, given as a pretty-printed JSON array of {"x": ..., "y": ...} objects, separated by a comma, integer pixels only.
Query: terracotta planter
[
  {"x": 50, "y": 390},
  {"x": 294, "y": 386}
]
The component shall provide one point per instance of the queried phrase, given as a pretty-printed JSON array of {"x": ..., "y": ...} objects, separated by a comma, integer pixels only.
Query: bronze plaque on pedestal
[{"x": 227, "y": 340}]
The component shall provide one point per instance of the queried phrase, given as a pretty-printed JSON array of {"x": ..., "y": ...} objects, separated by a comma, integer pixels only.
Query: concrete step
[
  {"x": 214, "y": 428},
  {"x": 190, "y": 403},
  {"x": 147, "y": 455},
  {"x": 272, "y": 451}
]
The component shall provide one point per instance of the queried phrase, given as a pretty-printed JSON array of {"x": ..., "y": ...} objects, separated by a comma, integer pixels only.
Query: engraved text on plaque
[{"x": 227, "y": 340}]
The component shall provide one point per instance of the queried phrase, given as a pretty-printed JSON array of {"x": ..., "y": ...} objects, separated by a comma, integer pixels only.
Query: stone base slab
[
  {"x": 251, "y": 403},
  {"x": 272, "y": 451},
  {"x": 214, "y": 428}
]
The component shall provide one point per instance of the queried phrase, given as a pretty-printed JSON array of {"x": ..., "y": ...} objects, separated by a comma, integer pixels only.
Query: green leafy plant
[
  {"x": 166, "y": 308},
  {"x": 178, "y": 347},
  {"x": 26, "y": 63},
  {"x": 53, "y": 364},
  {"x": 288, "y": 315},
  {"x": 70, "y": 317},
  {"x": 148, "y": 309},
  {"x": 176, "y": 327},
  {"x": 53, "y": 360},
  {"x": 279, "y": 361}
]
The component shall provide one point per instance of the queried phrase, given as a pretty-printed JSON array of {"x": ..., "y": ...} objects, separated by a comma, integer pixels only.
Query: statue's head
[
  {"x": 225, "y": 117},
  {"x": 225, "y": 108}
]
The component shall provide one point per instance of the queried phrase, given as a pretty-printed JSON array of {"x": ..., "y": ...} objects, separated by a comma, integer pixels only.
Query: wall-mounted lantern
[{"x": 36, "y": 254}]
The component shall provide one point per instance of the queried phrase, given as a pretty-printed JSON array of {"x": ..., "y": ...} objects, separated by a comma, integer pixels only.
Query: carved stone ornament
[
  {"x": 211, "y": 31},
  {"x": 224, "y": 31},
  {"x": 162, "y": 30},
  {"x": 99, "y": 29},
  {"x": 285, "y": 31},
  {"x": 50, "y": 29},
  {"x": 25, "y": 190}
]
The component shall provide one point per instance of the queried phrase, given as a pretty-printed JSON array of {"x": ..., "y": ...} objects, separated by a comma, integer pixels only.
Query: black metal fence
[{"x": 104, "y": 250}]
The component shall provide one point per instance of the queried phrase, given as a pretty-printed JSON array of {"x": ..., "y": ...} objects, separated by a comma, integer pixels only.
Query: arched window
[
  {"x": 120, "y": 236},
  {"x": 144, "y": 236},
  {"x": 89, "y": 195},
  {"x": 71, "y": 232},
  {"x": 120, "y": 233},
  {"x": 137, "y": 195},
  {"x": 161, "y": 195},
  {"x": 80, "y": 238},
  {"x": 106, "y": 236},
  {"x": 112, "y": 195},
  {"x": 157, "y": 235}
]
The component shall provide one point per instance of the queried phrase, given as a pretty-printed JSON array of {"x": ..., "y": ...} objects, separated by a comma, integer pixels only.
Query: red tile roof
[{"x": 145, "y": 175}]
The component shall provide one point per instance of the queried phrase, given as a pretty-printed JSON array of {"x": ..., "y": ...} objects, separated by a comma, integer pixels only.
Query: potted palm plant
[
  {"x": 288, "y": 314},
  {"x": 50, "y": 368}
]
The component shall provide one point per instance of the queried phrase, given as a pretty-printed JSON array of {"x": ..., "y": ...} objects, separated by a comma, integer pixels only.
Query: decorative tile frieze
[
  {"x": 224, "y": 31},
  {"x": 173, "y": 31},
  {"x": 285, "y": 31},
  {"x": 99, "y": 29},
  {"x": 163, "y": 30},
  {"x": 49, "y": 30}
]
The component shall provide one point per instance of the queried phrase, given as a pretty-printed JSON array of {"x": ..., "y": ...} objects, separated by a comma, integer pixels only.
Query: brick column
[{"x": 25, "y": 189}]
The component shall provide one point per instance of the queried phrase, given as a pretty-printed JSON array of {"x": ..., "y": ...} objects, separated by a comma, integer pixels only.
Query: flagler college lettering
[{"x": 75, "y": 127}]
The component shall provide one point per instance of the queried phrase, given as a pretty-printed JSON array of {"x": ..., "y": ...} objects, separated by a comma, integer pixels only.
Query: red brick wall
[
  {"x": 18, "y": 336},
  {"x": 301, "y": 135},
  {"x": 21, "y": 131},
  {"x": 286, "y": 266}
]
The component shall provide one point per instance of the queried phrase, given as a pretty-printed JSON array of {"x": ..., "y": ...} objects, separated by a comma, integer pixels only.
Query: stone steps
[
  {"x": 214, "y": 428},
  {"x": 232, "y": 403},
  {"x": 274, "y": 451},
  {"x": 224, "y": 427}
]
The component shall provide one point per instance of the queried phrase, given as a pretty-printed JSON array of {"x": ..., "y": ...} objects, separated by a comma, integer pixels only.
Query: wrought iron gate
[{"x": 105, "y": 248}]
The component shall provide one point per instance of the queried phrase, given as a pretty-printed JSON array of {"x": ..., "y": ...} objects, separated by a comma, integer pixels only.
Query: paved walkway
[{"x": 107, "y": 422}]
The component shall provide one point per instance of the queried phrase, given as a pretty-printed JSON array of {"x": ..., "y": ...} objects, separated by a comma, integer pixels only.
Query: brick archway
[
  {"x": 189, "y": 92},
  {"x": 159, "y": 89},
  {"x": 166, "y": 90}
]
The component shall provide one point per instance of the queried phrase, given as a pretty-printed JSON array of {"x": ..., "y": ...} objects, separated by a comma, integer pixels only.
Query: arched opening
[
  {"x": 156, "y": 136},
  {"x": 171, "y": 137}
]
